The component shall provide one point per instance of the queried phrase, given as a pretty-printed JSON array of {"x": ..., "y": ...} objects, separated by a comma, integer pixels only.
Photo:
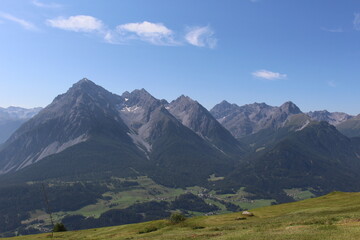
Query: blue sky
[{"x": 243, "y": 51}]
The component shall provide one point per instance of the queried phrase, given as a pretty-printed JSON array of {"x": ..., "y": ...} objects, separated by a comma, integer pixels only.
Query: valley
[{"x": 334, "y": 216}]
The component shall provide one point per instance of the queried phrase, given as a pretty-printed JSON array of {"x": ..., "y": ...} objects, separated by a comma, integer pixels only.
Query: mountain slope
[
  {"x": 135, "y": 126},
  {"x": 176, "y": 150},
  {"x": 268, "y": 137},
  {"x": 86, "y": 110},
  {"x": 197, "y": 118},
  {"x": 317, "y": 157}
]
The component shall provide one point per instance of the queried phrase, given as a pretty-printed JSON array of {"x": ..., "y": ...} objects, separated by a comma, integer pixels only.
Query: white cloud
[
  {"x": 79, "y": 23},
  {"x": 146, "y": 28},
  {"x": 46, "y": 5},
  {"x": 268, "y": 75},
  {"x": 25, "y": 24},
  {"x": 201, "y": 37},
  {"x": 109, "y": 37},
  {"x": 356, "y": 21},
  {"x": 155, "y": 33}
]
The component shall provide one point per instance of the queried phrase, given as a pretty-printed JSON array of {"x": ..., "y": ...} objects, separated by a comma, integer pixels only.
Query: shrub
[
  {"x": 177, "y": 218},
  {"x": 59, "y": 227}
]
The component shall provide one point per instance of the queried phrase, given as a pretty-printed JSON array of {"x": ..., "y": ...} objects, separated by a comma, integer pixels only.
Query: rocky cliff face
[
  {"x": 136, "y": 127},
  {"x": 84, "y": 110},
  {"x": 251, "y": 118},
  {"x": 194, "y": 116}
]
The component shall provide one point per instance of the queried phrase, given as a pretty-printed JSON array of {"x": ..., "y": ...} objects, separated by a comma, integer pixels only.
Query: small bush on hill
[
  {"x": 177, "y": 218},
  {"x": 59, "y": 227}
]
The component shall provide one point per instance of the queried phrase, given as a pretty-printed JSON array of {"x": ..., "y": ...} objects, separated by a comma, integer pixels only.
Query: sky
[{"x": 242, "y": 51}]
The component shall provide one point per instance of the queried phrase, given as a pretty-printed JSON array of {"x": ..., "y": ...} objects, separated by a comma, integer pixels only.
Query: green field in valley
[{"x": 333, "y": 216}]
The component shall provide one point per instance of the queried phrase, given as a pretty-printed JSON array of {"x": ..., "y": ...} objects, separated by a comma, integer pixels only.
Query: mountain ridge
[{"x": 98, "y": 146}]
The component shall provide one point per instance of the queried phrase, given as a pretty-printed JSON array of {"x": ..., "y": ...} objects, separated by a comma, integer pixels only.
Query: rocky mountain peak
[
  {"x": 194, "y": 116},
  {"x": 262, "y": 105},
  {"x": 141, "y": 92},
  {"x": 290, "y": 108},
  {"x": 184, "y": 100},
  {"x": 224, "y": 103},
  {"x": 223, "y": 109},
  {"x": 85, "y": 85},
  {"x": 183, "y": 97},
  {"x": 140, "y": 97},
  {"x": 248, "y": 108},
  {"x": 85, "y": 95}
]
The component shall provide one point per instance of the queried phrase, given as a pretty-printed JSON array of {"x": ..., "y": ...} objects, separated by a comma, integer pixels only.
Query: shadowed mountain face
[
  {"x": 251, "y": 118},
  {"x": 88, "y": 129},
  {"x": 317, "y": 157},
  {"x": 198, "y": 119},
  {"x": 11, "y": 119},
  {"x": 175, "y": 149},
  {"x": 84, "y": 111},
  {"x": 139, "y": 130},
  {"x": 177, "y": 144}
]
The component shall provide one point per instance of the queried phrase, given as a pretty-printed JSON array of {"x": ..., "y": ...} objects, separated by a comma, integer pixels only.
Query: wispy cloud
[
  {"x": 201, "y": 37},
  {"x": 268, "y": 75},
  {"x": 25, "y": 24},
  {"x": 333, "y": 30},
  {"x": 356, "y": 21},
  {"x": 46, "y": 5},
  {"x": 79, "y": 23},
  {"x": 331, "y": 84},
  {"x": 146, "y": 31},
  {"x": 154, "y": 33}
]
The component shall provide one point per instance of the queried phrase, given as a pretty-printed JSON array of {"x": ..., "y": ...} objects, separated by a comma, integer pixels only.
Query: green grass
[
  {"x": 334, "y": 216},
  {"x": 148, "y": 190}
]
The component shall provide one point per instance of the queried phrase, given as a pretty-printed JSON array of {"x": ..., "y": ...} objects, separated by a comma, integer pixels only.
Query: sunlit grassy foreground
[{"x": 334, "y": 216}]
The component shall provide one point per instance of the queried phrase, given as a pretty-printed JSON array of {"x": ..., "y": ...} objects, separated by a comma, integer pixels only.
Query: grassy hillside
[{"x": 334, "y": 216}]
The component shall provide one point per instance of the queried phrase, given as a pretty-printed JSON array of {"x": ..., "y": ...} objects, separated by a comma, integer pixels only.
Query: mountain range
[
  {"x": 11, "y": 119},
  {"x": 90, "y": 144}
]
